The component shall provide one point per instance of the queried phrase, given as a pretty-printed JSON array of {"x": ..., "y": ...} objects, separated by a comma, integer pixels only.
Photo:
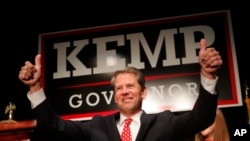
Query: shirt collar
[{"x": 136, "y": 118}]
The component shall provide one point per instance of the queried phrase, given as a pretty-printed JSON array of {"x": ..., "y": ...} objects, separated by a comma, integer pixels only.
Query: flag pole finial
[{"x": 247, "y": 101}]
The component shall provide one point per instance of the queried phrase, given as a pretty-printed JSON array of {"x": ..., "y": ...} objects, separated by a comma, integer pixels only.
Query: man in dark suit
[{"x": 130, "y": 90}]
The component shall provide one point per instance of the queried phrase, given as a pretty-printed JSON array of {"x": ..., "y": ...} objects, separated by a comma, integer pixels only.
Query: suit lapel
[
  {"x": 145, "y": 123},
  {"x": 112, "y": 128}
]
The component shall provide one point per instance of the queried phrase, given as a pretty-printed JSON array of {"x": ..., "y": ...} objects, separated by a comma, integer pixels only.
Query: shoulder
[
  {"x": 164, "y": 114},
  {"x": 109, "y": 117}
]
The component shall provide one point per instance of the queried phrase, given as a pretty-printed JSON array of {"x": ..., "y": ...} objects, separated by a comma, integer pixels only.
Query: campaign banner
[{"x": 78, "y": 64}]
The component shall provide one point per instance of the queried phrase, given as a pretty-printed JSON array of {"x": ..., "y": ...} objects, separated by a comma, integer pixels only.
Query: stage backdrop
[{"x": 78, "y": 64}]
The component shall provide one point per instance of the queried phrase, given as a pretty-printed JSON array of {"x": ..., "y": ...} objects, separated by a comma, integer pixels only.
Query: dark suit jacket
[{"x": 164, "y": 126}]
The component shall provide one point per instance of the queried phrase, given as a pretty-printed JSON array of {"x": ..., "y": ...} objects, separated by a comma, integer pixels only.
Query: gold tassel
[{"x": 247, "y": 100}]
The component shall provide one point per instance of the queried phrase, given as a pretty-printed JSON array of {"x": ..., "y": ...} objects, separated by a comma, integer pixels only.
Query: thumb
[
  {"x": 203, "y": 44},
  {"x": 38, "y": 60}
]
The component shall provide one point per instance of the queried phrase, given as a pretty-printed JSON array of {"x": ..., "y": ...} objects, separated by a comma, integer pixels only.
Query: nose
[{"x": 124, "y": 91}]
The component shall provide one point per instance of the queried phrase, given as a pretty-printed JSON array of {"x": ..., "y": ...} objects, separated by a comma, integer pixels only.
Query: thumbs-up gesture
[
  {"x": 30, "y": 73},
  {"x": 209, "y": 59}
]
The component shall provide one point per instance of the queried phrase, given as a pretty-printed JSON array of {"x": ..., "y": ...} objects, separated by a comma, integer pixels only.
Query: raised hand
[
  {"x": 30, "y": 74},
  {"x": 209, "y": 59}
]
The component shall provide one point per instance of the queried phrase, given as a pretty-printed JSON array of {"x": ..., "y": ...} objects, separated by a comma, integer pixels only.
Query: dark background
[{"x": 20, "y": 27}]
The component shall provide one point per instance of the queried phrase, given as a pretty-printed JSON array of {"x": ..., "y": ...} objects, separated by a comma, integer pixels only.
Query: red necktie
[{"x": 126, "y": 133}]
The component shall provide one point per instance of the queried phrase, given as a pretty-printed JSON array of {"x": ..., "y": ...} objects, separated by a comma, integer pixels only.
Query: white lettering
[
  {"x": 190, "y": 45},
  {"x": 240, "y": 132},
  {"x": 78, "y": 96},
  {"x": 107, "y": 99},
  {"x": 107, "y": 60},
  {"x": 80, "y": 69},
  {"x": 103, "y": 54},
  {"x": 97, "y": 99}
]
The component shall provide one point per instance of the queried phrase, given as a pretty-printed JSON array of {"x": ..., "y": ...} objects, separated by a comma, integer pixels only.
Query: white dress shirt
[{"x": 134, "y": 125}]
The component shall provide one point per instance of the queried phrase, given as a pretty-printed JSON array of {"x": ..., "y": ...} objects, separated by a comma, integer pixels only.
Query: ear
[{"x": 144, "y": 92}]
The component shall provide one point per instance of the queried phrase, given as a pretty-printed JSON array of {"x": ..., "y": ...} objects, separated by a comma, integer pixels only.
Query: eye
[
  {"x": 118, "y": 88},
  {"x": 131, "y": 86}
]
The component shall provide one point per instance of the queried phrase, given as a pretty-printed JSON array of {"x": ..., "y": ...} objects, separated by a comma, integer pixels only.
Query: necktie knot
[{"x": 127, "y": 121}]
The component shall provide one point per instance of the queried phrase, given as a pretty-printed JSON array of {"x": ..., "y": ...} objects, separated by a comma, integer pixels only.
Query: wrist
[
  {"x": 208, "y": 75},
  {"x": 34, "y": 88}
]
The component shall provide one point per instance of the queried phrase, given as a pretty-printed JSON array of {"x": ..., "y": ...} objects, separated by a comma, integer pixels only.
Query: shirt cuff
[
  {"x": 209, "y": 84},
  {"x": 36, "y": 98}
]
